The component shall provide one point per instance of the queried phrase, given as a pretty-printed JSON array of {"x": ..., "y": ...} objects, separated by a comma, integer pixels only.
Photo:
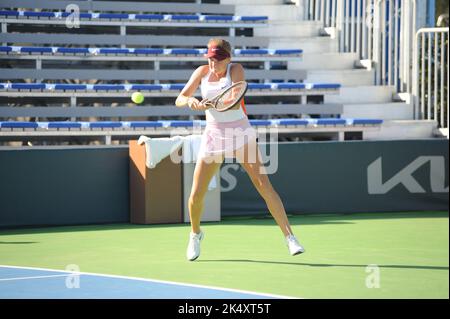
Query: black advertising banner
[{"x": 340, "y": 177}]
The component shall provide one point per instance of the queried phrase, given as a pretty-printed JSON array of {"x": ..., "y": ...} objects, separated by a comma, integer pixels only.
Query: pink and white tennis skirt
[{"x": 224, "y": 138}]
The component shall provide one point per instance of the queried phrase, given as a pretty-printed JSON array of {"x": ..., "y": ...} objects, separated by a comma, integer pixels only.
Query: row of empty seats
[
  {"x": 143, "y": 51},
  {"x": 121, "y": 130},
  {"x": 38, "y": 36},
  {"x": 158, "y": 87},
  {"x": 33, "y": 15},
  {"x": 10, "y": 125},
  {"x": 157, "y": 90},
  {"x": 171, "y": 39}
]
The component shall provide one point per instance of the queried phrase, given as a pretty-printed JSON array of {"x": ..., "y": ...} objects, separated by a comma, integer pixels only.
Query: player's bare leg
[
  {"x": 250, "y": 158},
  {"x": 204, "y": 171}
]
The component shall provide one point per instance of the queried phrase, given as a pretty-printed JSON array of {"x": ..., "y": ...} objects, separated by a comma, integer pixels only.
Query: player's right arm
[{"x": 185, "y": 98}]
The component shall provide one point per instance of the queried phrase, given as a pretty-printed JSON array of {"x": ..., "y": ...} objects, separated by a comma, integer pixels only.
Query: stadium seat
[
  {"x": 148, "y": 51},
  {"x": 145, "y": 124},
  {"x": 105, "y": 125},
  {"x": 73, "y": 87},
  {"x": 72, "y": 50},
  {"x": 22, "y": 125},
  {"x": 132, "y": 17},
  {"x": 254, "y": 88},
  {"x": 180, "y": 123},
  {"x": 290, "y": 122},
  {"x": 149, "y": 16},
  {"x": 59, "y": 125}
]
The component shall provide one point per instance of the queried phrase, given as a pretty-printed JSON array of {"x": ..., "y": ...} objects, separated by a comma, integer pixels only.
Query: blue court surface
[{"x": 37, "y": 283}]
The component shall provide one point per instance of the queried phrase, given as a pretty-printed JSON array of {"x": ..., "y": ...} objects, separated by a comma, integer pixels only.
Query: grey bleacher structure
[{"x": 84, "y": 76}]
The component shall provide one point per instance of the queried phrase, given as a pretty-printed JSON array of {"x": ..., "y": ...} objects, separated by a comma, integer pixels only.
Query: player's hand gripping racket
[{"x": 228, "y": 97}]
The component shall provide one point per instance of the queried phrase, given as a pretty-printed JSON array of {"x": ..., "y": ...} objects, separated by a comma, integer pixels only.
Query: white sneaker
[
  {"x": 294, "y": 247},
  {"x": 193, "y": 250}
]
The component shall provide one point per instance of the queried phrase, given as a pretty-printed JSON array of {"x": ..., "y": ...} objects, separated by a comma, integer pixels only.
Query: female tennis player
[{"x": 226, "y": 134}]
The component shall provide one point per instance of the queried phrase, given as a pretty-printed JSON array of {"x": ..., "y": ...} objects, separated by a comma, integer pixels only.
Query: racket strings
[{"x": 231, "y": 97}]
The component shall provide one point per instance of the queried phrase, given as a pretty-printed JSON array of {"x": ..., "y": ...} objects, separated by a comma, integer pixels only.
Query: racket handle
[{"x": 207, "y": 103}]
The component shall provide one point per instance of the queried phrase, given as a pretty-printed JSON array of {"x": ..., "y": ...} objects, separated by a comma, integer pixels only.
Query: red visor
[{"x": 217, "y": 53}]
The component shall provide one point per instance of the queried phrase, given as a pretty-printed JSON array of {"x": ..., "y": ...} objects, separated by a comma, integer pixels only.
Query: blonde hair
[{"x": 221, "y": 43}]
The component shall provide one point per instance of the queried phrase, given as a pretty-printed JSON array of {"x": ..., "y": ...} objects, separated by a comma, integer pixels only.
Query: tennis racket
[{"x": 228, "y": 97}]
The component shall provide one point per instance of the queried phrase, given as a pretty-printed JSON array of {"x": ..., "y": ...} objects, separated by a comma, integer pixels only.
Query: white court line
[
  {"x": 33, "y": 277},
  {"x": 158, "y": 281}
]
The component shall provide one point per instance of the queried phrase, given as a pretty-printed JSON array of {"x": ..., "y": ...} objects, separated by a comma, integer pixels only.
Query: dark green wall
[
  {"x": 87, "y": 185},
  {"x": 332, "y": 177},
  {"x": 63, "y": 186}
]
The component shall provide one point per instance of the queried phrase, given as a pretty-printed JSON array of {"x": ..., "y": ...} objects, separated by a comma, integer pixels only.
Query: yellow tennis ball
[{"x": 137, "y": 97}]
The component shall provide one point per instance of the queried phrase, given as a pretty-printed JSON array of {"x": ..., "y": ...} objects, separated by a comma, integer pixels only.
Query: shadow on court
[
  {"x": 265, "y": 220},
  {"x": 319, "y": 265},
  {"x": 17, "y": 242}
]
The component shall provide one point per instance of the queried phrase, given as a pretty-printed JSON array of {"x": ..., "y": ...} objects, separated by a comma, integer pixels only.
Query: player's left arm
[{"x": 237, "y": 74}]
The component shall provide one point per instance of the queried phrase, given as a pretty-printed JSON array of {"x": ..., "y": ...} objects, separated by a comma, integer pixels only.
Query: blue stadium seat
[
  {"x": 36, "y": 49},
  {"x": 72, "y": 50},
  {"x": 39, "y": 14},
  {"x": 5, "y": 49},
  {"x": 113, "y": 16},
  {"x": 109, "y": 87},
  {"x": 19, "y": 125},
  {"x": 288, "y": 51},
  {"x": 114, "y": 51},
  {"x": 126, "y": 16},
  {"x": 331, "y": 122},
  {"x": 186, "y": 124},
  {"x": 163, "y": 87},
  {"x": 64, "y": 125},
  {"x": 72, "y": 87},
  {"x": 367, "y": 121},
  {"x": 148, "y": 51},
  {"x": 260, "y": 122},
  {"x": 326, "y": 86},
  {"x": 181, "y": 123},
  {"x": 105, "y": 124},
  {"x": 253, "y": 51},
  {"x": 176, "y": 17},
  {"x": 176, "y": 87},
  {"x": 284, "y": 86},
  {"x": 146, "y": 87},
  {"x": 294, "y": 122},
  {"x": 185, "y": 51},
  {"x": 259, "y": 86},
  {"x": 9, "y": 13},
  {"x": 81, "y": 15},
  {"x": 28, "y": 86},
  {"x": 254, "y": 18},
  {"x": 144, "y": 124},
  {"x": 149, "y": 17},
  {"x": 218, "y": 18}
]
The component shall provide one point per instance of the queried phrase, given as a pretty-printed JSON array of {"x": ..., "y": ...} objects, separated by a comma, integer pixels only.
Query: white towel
[
  {"x": 158, "y": 149},
  {"x": 212, "y": 184},
  {"x": 191, "y": 147}
]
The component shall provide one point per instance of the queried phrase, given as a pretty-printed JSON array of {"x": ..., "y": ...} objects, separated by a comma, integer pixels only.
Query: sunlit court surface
[
  {"x": 371, "y": 255},
  {"x": 227, "y": 157}
]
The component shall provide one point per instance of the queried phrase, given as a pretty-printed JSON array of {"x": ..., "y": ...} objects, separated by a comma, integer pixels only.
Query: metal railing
[
  {"x": 430, "y": 68},
  {"x": 386, "y": 34},
  {"x": 380, "y": 31}
]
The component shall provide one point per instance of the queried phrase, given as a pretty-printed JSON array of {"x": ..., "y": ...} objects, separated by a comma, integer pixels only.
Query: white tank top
[{"x": 211, "y": 89}]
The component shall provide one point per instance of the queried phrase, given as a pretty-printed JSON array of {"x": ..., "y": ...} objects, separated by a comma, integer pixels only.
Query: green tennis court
[{"x": 365, "y": 255}]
